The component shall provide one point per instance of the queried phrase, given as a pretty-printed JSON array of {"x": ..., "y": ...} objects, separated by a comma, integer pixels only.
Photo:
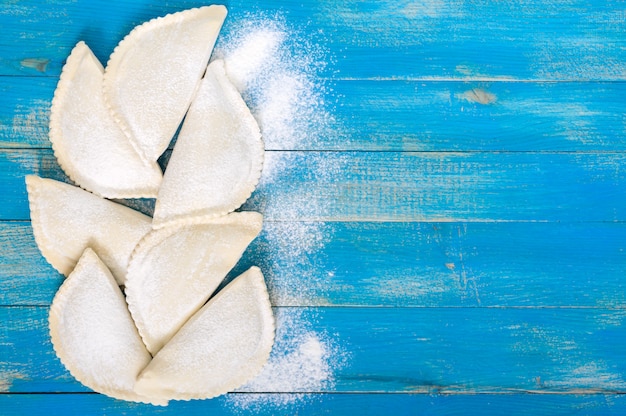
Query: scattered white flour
[
  {"x": 302, "y": 361},
  {"x": 277, "y": 70},
  {"x": 295, "y": 270}
]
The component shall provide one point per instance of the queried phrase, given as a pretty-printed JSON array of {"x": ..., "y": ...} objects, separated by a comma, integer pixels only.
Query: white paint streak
[
  {"x": 39, "y": 64},
  {"x": 6, "y": 379},
  {"x": 411, "y": 287},
  {"x": 29, "y": 122},
  {"x": 477, "y": 95},
  {"x": 575, "y": 366}
]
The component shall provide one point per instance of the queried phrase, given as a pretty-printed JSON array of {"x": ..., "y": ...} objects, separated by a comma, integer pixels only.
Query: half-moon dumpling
[
  {"x": 93, "y": 333},
  {"x": 153, "y": 74},
  {"x": 225, "y": 344},
  {"x": 174, "y": 270},
  {"x": 218, "y": 157},
  {"x": 89, "y": 145},
  {"x": 67, "y": 219}
]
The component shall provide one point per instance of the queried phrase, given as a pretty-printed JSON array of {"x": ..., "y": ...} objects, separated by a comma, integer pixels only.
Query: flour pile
[
  {"x": 276, "y": 71},
  {"x": 302, "y": 360}
]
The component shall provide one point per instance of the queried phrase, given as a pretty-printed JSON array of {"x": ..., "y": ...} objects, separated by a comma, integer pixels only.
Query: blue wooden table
[{"x": 453, "y": 236}]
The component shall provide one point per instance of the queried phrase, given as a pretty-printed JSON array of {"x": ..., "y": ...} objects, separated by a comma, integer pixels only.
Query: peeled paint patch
[
  {"x": 153, "y": 73},
  {"x": 90, "y": 147},
  {"x": 93, "y": 333},
  {"x": 66, "y": 220},
  {"x": 218, "y": 157},
  {"x": 222, "y": 346},
  {"x": 174, "y": 270}
]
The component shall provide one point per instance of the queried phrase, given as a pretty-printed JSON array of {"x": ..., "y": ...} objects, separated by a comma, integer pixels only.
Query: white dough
[
  {"x": 89, "y": 145},
  {"x": 174, "y": 270},
  {"x": 66, "y": 220},
  {"x": 93, "y": 333},
  {"x": 218, "y": 157},
  {"x": 153, "y": 74},
  {"x": 225, "y": 344}
]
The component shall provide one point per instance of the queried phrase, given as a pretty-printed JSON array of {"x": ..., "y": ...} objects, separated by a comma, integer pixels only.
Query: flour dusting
[
  {"x": 276, "y": 70},
  {"x": 295, "y": 268},
  {"x": 302, "y": 361}
]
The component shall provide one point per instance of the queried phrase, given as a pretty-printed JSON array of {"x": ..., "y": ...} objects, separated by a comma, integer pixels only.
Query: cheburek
[
  {"x": 217, "y": 161},
  {"x": 66, "y": 220},
  {"x": 224, "y": 345},
  {"x": 94, "y": 335},
  {"x": 174, "y": 270},
  {"x": 89, "y": 145},
  {"x": 108, "y": 141},
  {"x": 154, "y": 71}
]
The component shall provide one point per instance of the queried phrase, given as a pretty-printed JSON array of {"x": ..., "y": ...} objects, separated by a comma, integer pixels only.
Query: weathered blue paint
[
  {"x": 331, "y": 404},
  {"x": 406, "y": 116},
  {"x": 384, "y": 39},
  {"x": 460, "y": 228},
  {"x": 419, "y": 350},
  {"x": 401, "y": 186},
  {"x": 478, "y": 264}
]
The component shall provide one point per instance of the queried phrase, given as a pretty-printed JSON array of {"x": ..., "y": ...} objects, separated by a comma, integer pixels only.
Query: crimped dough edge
[
  {"x": 60, "y": 299},
  {"x": 56, "y": 137},
  {"x": 258, "y": 361},
  {"x": 133, "y": 286},
  {"x": 119, "y": 50},
  {"x": 252, "y": 180}
]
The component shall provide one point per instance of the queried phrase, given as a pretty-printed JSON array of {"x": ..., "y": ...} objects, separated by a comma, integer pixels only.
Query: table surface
[{"x": 455, "y": 235}]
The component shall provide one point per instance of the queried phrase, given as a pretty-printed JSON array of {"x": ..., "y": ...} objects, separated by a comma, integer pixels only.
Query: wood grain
[
  {"x": 327, "y": 404},
  {"x": 503, "y": 264},
  {"x": 531, "y": 40},
  {"x": 401, "y": 186},
  {"x": 419, "y": 350},
  {"x": 405, "y": 116}
]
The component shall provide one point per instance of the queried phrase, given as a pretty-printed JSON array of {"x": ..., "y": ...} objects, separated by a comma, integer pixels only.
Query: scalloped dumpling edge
[
  {"x": 214, "y": 353},
  {"x": 87, "y": 142},
  {"x": 220, "y": 147},
  {"x": 139, "y": 77},
  {"x": 90, "y": 294}
]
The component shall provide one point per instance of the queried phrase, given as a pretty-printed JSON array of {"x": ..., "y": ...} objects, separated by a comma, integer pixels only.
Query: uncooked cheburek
[
  {"x": 108, "y": 127},
  {"x": 222, "y": 346},
  {"x": 218, "y": 157},
  {"x": 89, "y": 145},
  {"x": 93, "y": 333},
  {"x": 154, "y": 71},
  {"x": 66, "y": 220},
  {"x": 174, "y": 270}
]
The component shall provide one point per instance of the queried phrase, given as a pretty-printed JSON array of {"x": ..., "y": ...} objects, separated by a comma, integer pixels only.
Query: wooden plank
[
  {"x": 401, "y": 116},
  {"x": 407, "y": 186},
  {"x": 479, "y": 116},
  {"x": 419, "y": 350},
  {"x": 396, "y": 264},
  {"x": 535, "y": 39},
  {"x": 324, "y": 404}
]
